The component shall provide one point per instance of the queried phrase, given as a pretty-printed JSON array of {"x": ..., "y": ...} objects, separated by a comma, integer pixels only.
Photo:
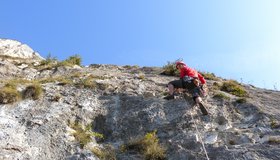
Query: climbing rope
[
  {"x": 200, "y": 138},
  {"x": 197, "y": 132}
]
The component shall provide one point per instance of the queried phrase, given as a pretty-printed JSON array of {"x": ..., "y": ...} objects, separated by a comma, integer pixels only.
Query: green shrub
[
  {"x": 72, "y": 60},
  {"x": 170, "y": 69},
  {"x": 86, "y": 83},
  {"x": 47, "y": 64},
  {"x": 241, "y": 100},
  {"x": 51, "y": 63},
  {"x": 142, "y": 77},
  {"x": 130, "y": 67},
  {"x": 234, "y": 88},
  {"x": 83, "y": 134},
  {"x": 9, "y": 94},
  {"x": 48, "y": 61},
  {"x": 148, "y": 146},
  {"x": 90, "y": 82},
  {"x": 63, "y": 64},
  {"x": 209, "y": 76},
  {"x": 106, "y": 153},
  {"x": 216, "y": 86},
  {"x": 33, "y": 91},
  {"x": 221, "y": 96},
  {"x": 273, "y": 123}
]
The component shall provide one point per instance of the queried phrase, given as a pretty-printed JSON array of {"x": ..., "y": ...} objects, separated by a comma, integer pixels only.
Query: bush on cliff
[{"x": 9, "y": 94}]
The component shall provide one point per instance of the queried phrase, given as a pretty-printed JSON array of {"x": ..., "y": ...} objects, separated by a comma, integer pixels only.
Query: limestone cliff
[
  {"x": 123, "y": 104},
  {"x": 11, "y": 49}
]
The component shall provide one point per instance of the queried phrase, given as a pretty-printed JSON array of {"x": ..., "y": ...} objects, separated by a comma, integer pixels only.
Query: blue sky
[{"x": 236, "y": 39}]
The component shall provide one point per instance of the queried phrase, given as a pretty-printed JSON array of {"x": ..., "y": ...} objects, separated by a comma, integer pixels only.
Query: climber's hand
[
  {"x": 196, "y": 82},
  {"x": 204, "y": 89}
]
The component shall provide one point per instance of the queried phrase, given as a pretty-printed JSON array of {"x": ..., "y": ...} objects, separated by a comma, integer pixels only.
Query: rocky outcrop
[
  {"x": 124, "y": 103},
  {"x": 11, "y": 49}
]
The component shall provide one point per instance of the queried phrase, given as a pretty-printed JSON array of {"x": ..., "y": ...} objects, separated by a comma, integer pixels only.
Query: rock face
[
  {"x": 124, "y": 103},
  {"x": 14, "y": 59},
  {"x": 16, "y": 49}
]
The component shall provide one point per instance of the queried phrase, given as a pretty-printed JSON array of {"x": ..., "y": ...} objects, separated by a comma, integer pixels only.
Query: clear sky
[{"x": 236, "y": 39}]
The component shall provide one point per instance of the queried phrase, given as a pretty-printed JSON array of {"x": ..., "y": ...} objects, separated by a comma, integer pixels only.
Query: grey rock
[
  {"x": 16, "y": 49},
  {"x": 8, "y": 69},
  {"x": 84, "y": 155},
  {"x": 125, "y": 108}
]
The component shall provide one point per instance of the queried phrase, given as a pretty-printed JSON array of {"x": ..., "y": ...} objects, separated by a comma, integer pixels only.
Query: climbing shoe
[
  {"x": 203, "y": 109},
  {"x": 169, "y": 97}
]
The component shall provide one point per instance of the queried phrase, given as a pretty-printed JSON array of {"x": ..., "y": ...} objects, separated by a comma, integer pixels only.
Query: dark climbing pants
[{"x": 190, "y": 86}]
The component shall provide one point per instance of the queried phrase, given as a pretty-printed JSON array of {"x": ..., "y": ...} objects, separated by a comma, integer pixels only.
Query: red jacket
[{"x": 187, "y": 71}]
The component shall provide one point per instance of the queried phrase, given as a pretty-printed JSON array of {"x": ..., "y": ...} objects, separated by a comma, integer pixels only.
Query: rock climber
[{"x": 190, "y": 80}]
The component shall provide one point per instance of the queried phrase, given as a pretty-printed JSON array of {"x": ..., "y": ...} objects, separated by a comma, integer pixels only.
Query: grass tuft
[
  {"x": 90, "y": 82},
  {"x": 142, "y": 77},
  {"x": 234, "y": 88},
  {"x": 11, "y": 85},
  {"x": 106, "y": 153},
  {"x": 221, "y": 96},
  {"x": 48, "y": 61},
  {"x": 216, "y": 86},
  {"x": 52, "y": 62},
  {"x": 71, "y": 61},
  {"x": 170, "y": 69},
  {"x": 274, "y": 140},
  {"x": 209, "y": 76},
  {"x": 128, "y": 67},
  {"x": 83, "y": 134},
  {"x": 86, "y": 83},
  {"x": 148, "y": 146},
  {"x": 33, "y": 91},
  {"x": 273, "y": 123},
  {"x": 9, "y": 94}
]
